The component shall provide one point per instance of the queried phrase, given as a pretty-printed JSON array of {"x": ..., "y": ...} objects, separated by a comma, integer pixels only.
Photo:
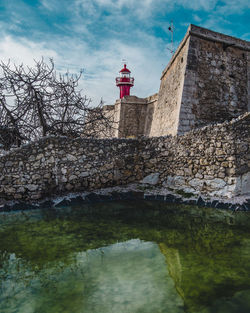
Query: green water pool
[{"x": 128, "y": 257}]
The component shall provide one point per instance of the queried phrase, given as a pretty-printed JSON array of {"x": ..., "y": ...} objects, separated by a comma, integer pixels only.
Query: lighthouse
[{"x": 124, "y": 82}]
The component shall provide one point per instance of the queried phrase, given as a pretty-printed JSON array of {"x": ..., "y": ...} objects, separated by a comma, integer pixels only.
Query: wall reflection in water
[{"x": 124, "y": 257}]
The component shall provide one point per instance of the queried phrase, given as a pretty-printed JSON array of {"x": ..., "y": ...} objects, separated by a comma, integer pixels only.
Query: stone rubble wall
[
  {"x": 53, "y": 165},
  {"x": 213, "y": 161}
]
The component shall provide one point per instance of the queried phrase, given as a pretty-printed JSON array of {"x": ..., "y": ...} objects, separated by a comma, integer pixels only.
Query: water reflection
[
  {"x": 125, "y": 277},
  {"x": 123, "y": 258}
]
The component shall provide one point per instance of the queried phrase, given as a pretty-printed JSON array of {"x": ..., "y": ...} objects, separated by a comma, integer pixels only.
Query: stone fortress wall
[
  {"x": 206, "y": 81},
  {"x": 211, "y": 161}
]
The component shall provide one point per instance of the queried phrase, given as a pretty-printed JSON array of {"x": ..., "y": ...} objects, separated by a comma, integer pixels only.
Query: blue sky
[{"x": 97, "y": 34}]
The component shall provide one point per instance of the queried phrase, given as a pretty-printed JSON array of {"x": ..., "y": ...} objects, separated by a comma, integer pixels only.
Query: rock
[
  {"x": 32, "y": 158},
  {"x": 36, "y": 164},
  {"x": 196, "y": 183},
  {"x": 51, "y": 160},
  {"x": 36, "y": 176},
  {"x": 151, "y": 179},
  {"x": 21, "y": 189},
  {"x": 8, "y": 163},
  {"x": 64, "y": 179},
  {"x": 198, "y": 175},
  {"x": 231, "y": 171},
  {"x": 204, "y": 162},
  {"x": 127, "y": 173},
  {"x": 64, "y": 171},
  {"x": 174, "y": 181},
  {"x": 216, "y": 183},
  {"x": 72, "y": 177},
  {"x": 32, "y": 187},
  {"x": 36, "y": 196},
  {"x": 17, "y": 196},
  {"x": 39, "y": 156},
  {"x": 188, "y": 171},
  {"x": 219, "y": 152},
  {"x": 71, "y": 157},
  {"x": 9, "y": 190},
  {"x": 69, "y": 187},
  {"x": 190, "y": 190},
  {"x": 221, "y": 175}
]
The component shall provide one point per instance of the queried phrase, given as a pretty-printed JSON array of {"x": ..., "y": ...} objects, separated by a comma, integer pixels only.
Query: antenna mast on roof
[{"x": 171, "y": 29}]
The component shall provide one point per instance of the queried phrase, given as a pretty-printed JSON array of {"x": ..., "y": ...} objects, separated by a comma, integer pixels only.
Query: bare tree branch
[{"x": 36, "y": 101}]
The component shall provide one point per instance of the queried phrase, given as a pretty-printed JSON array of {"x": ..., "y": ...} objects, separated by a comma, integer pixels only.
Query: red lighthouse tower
[{"x": 124, "y": 82}]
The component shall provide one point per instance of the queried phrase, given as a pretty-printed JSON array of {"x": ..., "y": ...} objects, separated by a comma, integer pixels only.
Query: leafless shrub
[{"x": 36, "y": 101}]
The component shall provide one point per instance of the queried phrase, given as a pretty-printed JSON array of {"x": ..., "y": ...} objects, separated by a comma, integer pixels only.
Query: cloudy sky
[{"x": 96, "y": 35}]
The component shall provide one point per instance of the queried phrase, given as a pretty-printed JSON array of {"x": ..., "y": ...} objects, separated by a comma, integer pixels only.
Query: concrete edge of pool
[{"x": 132, "y": 192}]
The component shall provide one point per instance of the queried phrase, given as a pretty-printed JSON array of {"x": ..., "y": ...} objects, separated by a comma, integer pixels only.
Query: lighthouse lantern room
[{"x": 124, "y": 82}]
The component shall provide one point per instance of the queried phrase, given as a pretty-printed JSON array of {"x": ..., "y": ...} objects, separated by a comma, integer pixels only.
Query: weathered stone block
[
  {"x": 216, "y": 183},
  {"x": 71, "y": 157},
  {"x": 151, "y": 179},
  {"x": 196, "y": 183},
  {"x": 32, "y": 187}
]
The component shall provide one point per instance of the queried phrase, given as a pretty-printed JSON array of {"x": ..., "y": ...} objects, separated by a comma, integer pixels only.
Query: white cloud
[
  {"x": 49, "y": 5},
  {"x": 23, "y": 50},
  {"x": 218, "y": 23},
  {"x": 246, "y": 36},
  {"x": 81, "y": 44},
  {"x": 233, "y": 7},
  {"x": 196, "y": 5},
  {"x": 139, "y": 8},
  {"x": 197, "y": 18},
  {"x": 101, "y": 66},
  {"x": 144, "y": 8}
]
